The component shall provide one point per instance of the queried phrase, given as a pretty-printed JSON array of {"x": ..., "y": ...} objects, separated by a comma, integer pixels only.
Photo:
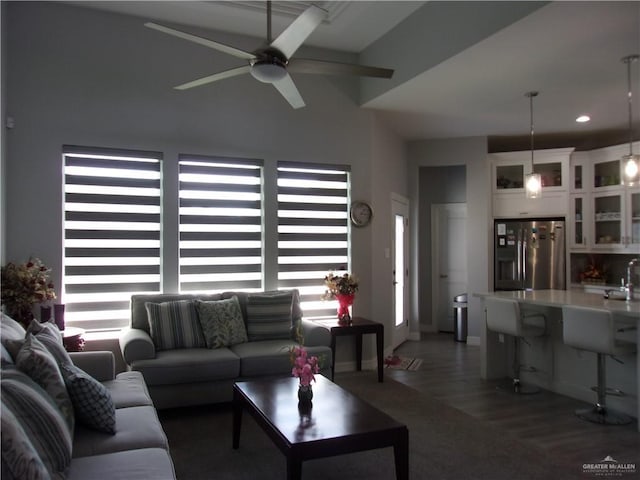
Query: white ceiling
[{"x": 568, "y": 51}]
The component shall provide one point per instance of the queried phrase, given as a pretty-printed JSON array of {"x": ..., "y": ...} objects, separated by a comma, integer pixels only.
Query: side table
[
  {"x": 72, "y": 339},
  {"x": 358, "y": 327}
]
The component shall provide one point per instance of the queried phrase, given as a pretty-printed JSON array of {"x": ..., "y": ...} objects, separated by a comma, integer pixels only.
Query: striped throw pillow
[
  {"x": 40, "y": 418},
  {"x": 175, "y": 325},
  {"x": 35, "y": 360},
  {"x": 269, "y": 315},
  {"x": 20, "y": 458}
]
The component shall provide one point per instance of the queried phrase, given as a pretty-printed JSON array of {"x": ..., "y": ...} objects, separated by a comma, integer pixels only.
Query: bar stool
[
  {"x": 594, "y": 330},
  {"x": 504, "y": 316}
]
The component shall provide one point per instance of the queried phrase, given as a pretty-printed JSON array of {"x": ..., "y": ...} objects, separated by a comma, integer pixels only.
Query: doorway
[
  {"x": 400, "y": 268},
  {"x": 449, "y": 254}
]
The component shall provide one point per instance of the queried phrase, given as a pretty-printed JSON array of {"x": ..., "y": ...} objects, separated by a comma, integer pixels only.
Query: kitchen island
[{"x": 561, "y": 368}]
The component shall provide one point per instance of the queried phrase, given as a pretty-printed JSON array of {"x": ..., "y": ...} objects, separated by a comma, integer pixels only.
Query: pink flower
[{"x": 304, "y": 367}]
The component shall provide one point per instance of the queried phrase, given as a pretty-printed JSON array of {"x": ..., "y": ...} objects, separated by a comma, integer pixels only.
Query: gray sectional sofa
[
  {"x": 112, "y": 432},
  {"x": 187, "y": 371}
]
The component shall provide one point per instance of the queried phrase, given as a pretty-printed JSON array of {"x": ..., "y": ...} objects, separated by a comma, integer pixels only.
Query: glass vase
[
  {"x": 344, "y": 302},
  {"x": 305, "y": 395}
]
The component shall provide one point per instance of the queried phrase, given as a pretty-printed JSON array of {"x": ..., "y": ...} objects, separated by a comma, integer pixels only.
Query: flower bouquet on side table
[{"x": 342, "y": 288}]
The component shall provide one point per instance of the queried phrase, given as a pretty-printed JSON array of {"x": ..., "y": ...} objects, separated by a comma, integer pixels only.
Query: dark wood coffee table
[{"x": 338, "y": 422}]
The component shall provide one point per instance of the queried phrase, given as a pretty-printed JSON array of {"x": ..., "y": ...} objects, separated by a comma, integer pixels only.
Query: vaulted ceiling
[{"x": 463, "y": 68}]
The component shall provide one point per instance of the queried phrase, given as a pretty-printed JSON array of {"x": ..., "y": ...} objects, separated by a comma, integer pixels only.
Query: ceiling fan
[{"x": 272, "y": 63}]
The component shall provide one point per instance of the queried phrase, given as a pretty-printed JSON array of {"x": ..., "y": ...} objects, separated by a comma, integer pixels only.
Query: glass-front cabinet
[
  {"x": 616, "y": 220},
  {"x": 510, "y": 175},
  {"x": 606, "y": 174},
  {"x": 579, "y": 222}
]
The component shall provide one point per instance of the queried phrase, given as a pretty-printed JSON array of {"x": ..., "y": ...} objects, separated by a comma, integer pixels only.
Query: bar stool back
[
  {"x": 504, "y": 316},
  {"x": 594, "y": 330}
]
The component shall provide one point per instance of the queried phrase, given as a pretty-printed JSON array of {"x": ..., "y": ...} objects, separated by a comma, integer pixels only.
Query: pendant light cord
[
  {"x": 531, "y": 95},
  {"x": 629, "y": 60}
]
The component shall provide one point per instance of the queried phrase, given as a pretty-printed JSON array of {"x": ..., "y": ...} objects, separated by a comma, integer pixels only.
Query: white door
[
  {"x": 400, "y": 257},
  {"x": 449, "y": 260}
]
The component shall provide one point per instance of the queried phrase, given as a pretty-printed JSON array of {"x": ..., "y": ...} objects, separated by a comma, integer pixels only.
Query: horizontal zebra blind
[
  {"x": 112, "y": 208},
  {"x": 220, "y": 224},
  {"x": 313, "y": 230}
]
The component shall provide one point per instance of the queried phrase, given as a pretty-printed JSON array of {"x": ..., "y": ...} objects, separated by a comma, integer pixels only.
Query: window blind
[
  {"x": 220, "y": 224},
  {"x": 112, "y": 208},
  {"x": 313, "y": 230}
]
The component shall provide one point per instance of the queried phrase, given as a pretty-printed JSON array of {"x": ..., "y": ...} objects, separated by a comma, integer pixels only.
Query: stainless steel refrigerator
[{"x": 529, "y": 254}]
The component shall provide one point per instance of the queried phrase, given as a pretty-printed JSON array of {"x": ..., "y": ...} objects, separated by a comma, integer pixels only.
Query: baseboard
[{"x": 473, "y": 340}]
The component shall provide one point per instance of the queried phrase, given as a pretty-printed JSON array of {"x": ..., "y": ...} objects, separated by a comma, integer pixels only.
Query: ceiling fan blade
[
  {"x": 288, "y": 90},
  {"x": 303, "y": 65},
  {"x": 215, "y": 77},
  {"x": 236, "y": 52},
  {"x": 295, "y": 34}
]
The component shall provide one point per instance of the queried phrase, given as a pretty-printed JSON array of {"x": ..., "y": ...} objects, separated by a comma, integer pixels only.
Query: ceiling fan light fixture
[
  {"x": 267, "y": 71},
  {"x": 631, "y": 174}
]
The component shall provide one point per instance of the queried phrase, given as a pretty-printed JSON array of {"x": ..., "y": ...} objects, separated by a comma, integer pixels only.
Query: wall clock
[{"x": 361, "y": 213}]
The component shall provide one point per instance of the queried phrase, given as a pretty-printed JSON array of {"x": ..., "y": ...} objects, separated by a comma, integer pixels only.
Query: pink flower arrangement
[{"x": 304, "y": 367}]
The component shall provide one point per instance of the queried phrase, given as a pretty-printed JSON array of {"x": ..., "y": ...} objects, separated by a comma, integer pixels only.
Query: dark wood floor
[{"x": 451, "y": 372}]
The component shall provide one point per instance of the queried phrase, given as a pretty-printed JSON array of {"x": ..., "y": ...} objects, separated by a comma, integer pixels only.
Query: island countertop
[{"x": 560, "y": 298}]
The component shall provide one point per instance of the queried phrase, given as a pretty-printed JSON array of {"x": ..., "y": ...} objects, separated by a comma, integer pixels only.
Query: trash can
[{"x": 460, "y": 318}]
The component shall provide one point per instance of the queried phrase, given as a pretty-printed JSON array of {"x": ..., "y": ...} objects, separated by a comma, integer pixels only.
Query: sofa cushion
[
  {"x": 139, "y": 464},
  {"x": 40, "y": 418},
  {"x": 222, "y": 322},
  {"x": 269, "y": 315},
  {"x": 268, "y": 357},
  {"x": 91, "y": 400},
  {"x": 136, "y": 427},
  {"x": 175, "y": 325},
  {"x": 35, "y": 360},
  {"x": 128, "y": 389},
  {"x": 20, "y": 459},
  {"x": 139, "y": 317},
  {"x": 189, "y": 365}
]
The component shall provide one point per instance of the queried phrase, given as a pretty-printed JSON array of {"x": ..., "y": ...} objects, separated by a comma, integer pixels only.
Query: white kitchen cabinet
[
  {"x": 579, "y": 221},
  {"x": 508, "y": 174}
]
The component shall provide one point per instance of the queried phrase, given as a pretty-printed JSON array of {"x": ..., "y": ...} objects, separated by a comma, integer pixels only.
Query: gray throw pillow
[
  {"x": 39, "y": 416},
  {"x": 175, "y": 325},
  {"x": 92, "y": 401},
  {"x": 222, "y": 322},
  {"x": 35, "y": 360},
  {"x": 269, "y": 315}
]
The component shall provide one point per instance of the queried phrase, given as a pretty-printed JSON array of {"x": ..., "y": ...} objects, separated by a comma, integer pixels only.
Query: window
[
  {"x": 220, "y": 224},
  {"x": 313, "y": 230},
  {"x": 112, "y": 208}
]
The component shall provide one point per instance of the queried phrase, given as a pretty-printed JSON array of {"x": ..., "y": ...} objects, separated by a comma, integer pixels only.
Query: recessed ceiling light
[{"x": 583, "y": 119}]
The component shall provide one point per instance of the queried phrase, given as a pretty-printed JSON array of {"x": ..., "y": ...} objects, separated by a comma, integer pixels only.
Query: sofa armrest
[
  {"x": 136, "y": 344},
  {"x": 315, "y": 335},
  {"x": 100, "y": 365}
]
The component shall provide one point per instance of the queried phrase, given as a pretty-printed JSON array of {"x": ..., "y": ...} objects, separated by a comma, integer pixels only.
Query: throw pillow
[
  {"x": 20, "y": 458},
  {"x": 35, "y": 360},
  {"x": 40, "y": 418},
  {"x": 92, "y": 401},
  {"x": 175, "y": 325},
  {"x": 222, "y": 322},
  {"x": 269, "y": 315},
  {"x": 49, "y": 335}
]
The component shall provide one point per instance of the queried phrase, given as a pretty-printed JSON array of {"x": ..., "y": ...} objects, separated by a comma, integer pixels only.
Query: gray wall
[
  {"x": 436, "y": 185},
  {"x": 80, "y": 76},
  {"x": 471, "y": 153}
]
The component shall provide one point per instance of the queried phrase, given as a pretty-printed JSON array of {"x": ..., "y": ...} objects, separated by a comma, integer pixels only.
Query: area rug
[
  {"x": 444, "y": 443},
  {"x": 402, "y": 363}
]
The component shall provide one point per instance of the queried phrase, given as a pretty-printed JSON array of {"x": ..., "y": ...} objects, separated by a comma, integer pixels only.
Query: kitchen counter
[
  {"x": 561, "y": 368},
  {"x": 577, "y": 297}
]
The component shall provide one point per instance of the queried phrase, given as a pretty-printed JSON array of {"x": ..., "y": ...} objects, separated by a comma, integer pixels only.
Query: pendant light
[
  {"x": 532, "y": 181},
  {"x": 631, "y": 161}
]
